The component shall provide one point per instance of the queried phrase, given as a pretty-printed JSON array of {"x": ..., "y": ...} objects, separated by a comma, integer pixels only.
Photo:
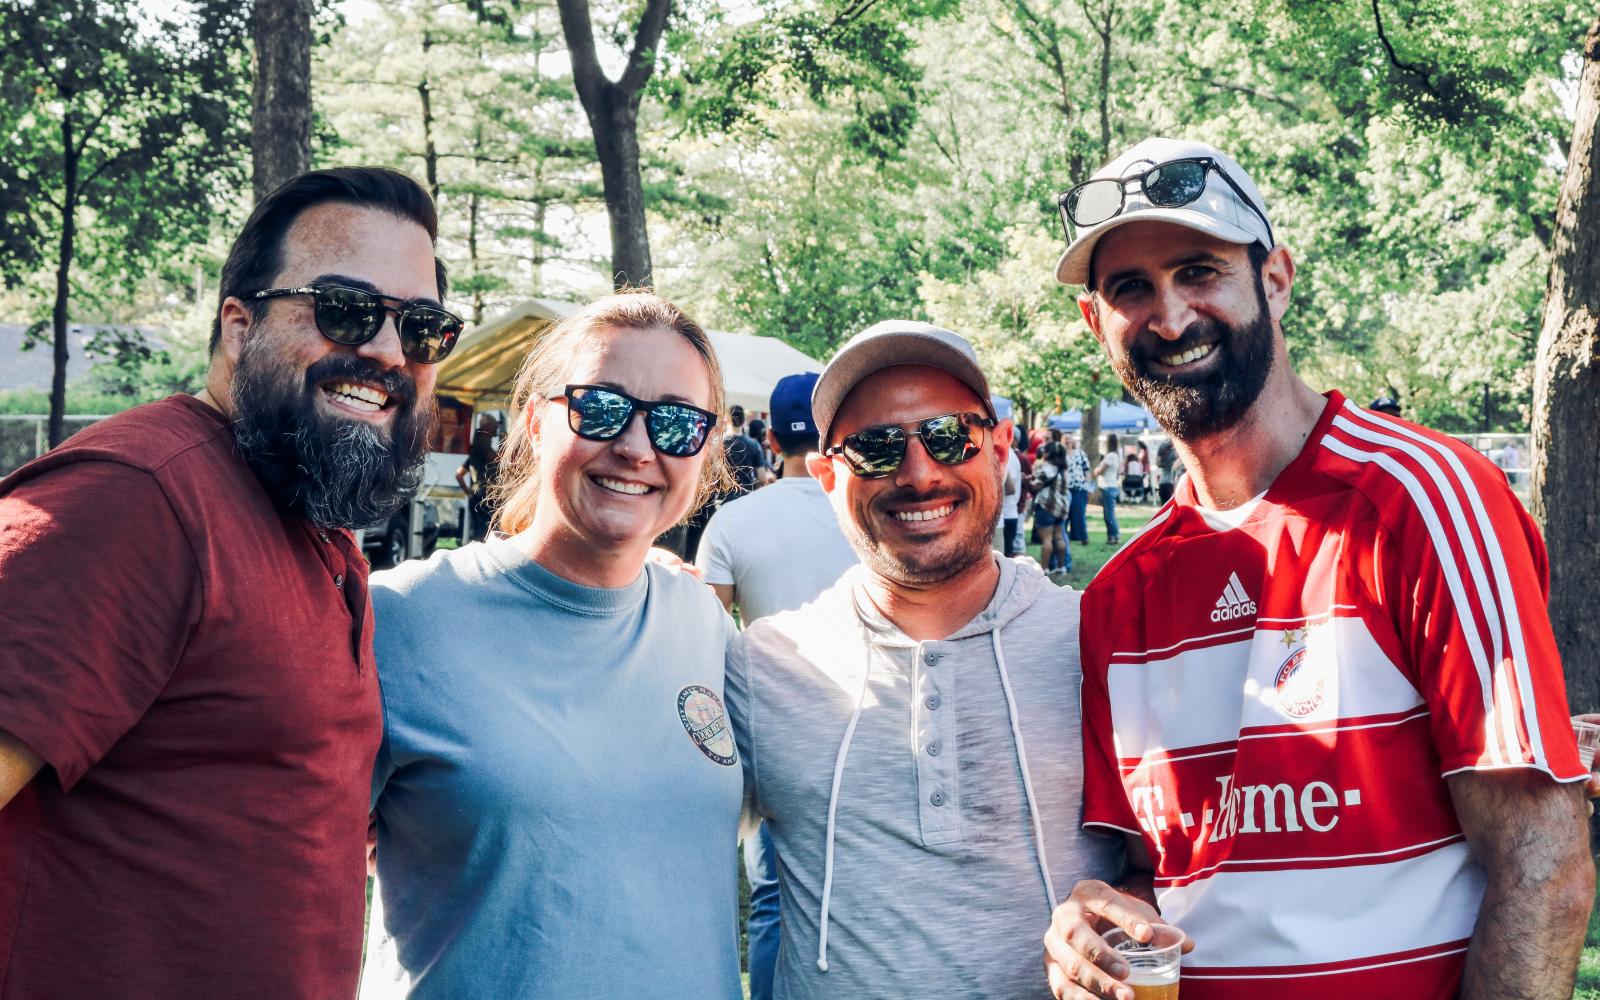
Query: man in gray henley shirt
[{"x": 912, "y": 737}]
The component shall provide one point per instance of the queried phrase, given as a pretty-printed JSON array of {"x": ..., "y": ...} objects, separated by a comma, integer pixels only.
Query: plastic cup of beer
[
  {"x": 1153, "y": 965},
  {"x": 1588, "y": 735}
]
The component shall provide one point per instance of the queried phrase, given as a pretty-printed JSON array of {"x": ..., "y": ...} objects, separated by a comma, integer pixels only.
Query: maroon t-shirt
[{"x": 196, "y": 670}]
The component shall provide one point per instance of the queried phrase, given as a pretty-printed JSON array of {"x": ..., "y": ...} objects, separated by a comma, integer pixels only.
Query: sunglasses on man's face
[
  {"x": 876, "y": 452},
  {"x": 1166, "y": 185},
  {"x": 601, "y": 414},
  {"x": 353, "y": 316}
]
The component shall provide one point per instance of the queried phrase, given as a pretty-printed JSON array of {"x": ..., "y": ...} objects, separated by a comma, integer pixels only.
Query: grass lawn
[{"x": 1087, "y": 559}]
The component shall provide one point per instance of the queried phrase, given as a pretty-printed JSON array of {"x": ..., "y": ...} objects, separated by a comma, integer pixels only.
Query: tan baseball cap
[{"x": 886, "y": 345}]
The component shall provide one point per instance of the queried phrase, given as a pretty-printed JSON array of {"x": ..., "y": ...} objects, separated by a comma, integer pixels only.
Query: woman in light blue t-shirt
[{"x": 557, "y": 794}]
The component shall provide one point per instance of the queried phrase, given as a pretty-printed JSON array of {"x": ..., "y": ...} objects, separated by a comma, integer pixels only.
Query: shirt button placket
[{"x": 935, "y": 770}]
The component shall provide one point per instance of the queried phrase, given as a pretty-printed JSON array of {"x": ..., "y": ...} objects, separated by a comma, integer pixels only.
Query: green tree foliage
[
  {"x": 480, "y": 106},
  {"x": 1408, "y": 149},
  {"x": 818, "y": 243},
  {"x": 834, "y": 226},
  {"x": 1034, "y": 343},
  {"x": 120, "y": 132},
  {"x": 857, "y": 57},
  {"x": 804, "y": 121}
]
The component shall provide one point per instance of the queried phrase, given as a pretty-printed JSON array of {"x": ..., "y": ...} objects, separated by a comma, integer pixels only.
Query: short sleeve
[
  {"x": 99, "y": 592},
  {"x": 1105, "y": 800},
  {"x": 1469, "y": 580},
  {"x": 713, "y": 556}
]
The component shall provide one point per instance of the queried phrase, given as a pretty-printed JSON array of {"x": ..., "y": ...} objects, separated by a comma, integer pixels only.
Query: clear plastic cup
[
  {"x": 1153, "y": 966},
  {"x": 1588, "y": 735}
]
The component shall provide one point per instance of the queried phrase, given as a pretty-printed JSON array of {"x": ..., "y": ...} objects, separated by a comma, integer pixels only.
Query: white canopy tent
[{"x": 483, "y": 367}]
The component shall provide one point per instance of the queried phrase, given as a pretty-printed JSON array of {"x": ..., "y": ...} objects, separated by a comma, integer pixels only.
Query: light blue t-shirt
[{"x": 557, "y": 791}]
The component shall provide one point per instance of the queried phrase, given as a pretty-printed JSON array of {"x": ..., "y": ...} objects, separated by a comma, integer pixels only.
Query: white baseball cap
[{"x": 1219, "y": 210}]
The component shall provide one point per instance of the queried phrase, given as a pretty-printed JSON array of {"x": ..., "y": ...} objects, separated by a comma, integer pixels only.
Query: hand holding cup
[{"x": 1081, "y": 964}]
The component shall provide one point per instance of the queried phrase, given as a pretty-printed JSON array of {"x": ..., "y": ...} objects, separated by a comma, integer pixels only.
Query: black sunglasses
[
  {"x": 352, "y": 316},
  {"x": 876, "y": 452},
  {"x": 600, "y": 414},
  {"x": 1168, "y": 185}
]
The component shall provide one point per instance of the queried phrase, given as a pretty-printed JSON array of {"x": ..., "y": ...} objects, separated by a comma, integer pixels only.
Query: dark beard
[
  {"x": 336, "y": 473},
  {"x": 1194, "y": 408},
  {"x": 913, "y": 566}
]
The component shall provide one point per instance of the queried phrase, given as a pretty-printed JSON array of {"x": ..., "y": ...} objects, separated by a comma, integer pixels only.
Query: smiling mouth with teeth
[
  {"x": 358, "y": 397},
  {"x": 622, "y": 486},
  {"x": 924, "y": 515},
  {"x": 1192, "y": 354}
]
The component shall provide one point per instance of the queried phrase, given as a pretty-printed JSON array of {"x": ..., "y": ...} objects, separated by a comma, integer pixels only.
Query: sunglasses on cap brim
[
  {"x": 353, "y": 316},
  {"x": 1172, "y": 184},
  {"x": 600, "y": 413},
  {"x": 878, "y": 451}
]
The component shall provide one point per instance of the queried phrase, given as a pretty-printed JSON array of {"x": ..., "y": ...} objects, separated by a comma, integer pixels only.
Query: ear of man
[
  {"x": 822, "y": 470},
  {"x": 235, "y": 321},
  {"x": 1091, "y": 316},
  {"x": 1004, "y": 433},
  {"x": 1277, "y": 281}
]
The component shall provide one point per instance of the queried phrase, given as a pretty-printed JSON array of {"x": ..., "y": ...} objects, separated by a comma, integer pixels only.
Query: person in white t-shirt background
[
  {"x": 1108, "y": 476},
  {"x": 767, "y": 551}
]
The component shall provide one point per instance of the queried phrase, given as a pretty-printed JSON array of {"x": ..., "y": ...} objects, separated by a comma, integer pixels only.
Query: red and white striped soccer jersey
[{"x": 1273, "y": 707}]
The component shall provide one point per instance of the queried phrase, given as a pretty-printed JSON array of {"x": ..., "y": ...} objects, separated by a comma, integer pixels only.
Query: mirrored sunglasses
[
  {"x": 876, "y": 452},
  {"x": 353, "y": 316},
  {"x": 599, "y": 413}
]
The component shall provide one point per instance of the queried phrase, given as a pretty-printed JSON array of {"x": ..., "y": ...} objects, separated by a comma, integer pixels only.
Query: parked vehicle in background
[{"x": 439, "y": 513}]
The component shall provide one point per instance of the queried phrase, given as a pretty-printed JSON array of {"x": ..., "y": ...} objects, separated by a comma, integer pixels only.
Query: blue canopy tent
[{"x": 1115, "y": 415}]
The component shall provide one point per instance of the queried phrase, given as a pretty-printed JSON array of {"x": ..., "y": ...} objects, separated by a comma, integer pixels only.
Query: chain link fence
[{"x": 25, "y": 436}]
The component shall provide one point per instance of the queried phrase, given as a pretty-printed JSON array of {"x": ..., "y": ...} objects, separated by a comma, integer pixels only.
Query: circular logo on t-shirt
[
  {"x": 1301, "y": 686},
  {"x": 702, "y": 715}
]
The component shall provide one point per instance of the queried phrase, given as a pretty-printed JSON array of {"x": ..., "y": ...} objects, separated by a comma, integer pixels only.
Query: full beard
[
  {"x": 939, "y": 558},
  {"x": 336, "y": 473},
  {"x": 1197, "y": 407}
]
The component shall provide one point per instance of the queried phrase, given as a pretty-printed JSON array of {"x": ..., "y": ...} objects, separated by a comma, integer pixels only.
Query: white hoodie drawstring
[
  {"x": 833, "y": 806},
  {"x": 1022, "y": 759}
]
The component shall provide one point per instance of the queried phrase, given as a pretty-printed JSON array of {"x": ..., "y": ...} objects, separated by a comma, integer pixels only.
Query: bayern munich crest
[
  {"x": 703, "y": 717},
  {"x": 1301, "y": 685}
]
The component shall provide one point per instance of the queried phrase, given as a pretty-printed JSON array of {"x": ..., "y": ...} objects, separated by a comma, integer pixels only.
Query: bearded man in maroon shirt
[{"x": 188, "y": 705}]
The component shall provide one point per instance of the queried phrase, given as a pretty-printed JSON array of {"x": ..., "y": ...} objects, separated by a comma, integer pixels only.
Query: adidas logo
[{"x": 1234, "y": 602}]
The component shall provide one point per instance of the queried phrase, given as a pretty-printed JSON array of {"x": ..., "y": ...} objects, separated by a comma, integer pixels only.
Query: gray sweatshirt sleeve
[{"x": 741, "y": 714}]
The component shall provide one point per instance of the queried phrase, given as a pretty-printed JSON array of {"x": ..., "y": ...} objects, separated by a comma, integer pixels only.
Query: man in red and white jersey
[{"x": 1321, "y": 697}]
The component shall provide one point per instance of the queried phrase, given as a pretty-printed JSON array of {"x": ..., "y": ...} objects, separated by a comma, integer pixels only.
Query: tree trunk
[
  {"x": 430, "y": 152},
  {"x": 1091, "y": 429},
  {"x": 1105, "y": 79},
  {"x": 613, "y": 113},
  {"x": 616, "y": 141},
  {"x": 472, "y": 256},
  {"x": 1566, "y": 401},
  {"x": 69, "y": 232},
  {"x": 280, "y": 124},
  {"x": 540, "y": 211}
]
